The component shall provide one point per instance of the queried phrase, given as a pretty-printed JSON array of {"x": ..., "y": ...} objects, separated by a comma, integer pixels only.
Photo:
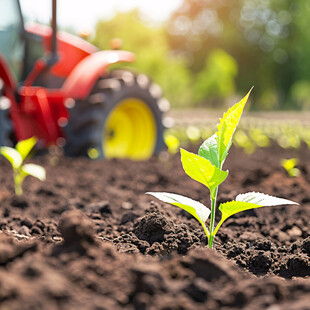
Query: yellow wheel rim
[{"x": 130, "y": 131}]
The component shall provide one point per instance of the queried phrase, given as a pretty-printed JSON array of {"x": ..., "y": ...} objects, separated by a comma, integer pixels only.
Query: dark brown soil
[{"x": 89, "y": 238}]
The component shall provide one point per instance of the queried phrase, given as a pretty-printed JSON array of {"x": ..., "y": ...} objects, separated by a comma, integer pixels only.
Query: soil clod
[{"x": 76, "y": 228}]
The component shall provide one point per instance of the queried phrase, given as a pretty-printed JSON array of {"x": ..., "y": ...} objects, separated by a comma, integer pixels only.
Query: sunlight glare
[{"x": 79, "y": 14}]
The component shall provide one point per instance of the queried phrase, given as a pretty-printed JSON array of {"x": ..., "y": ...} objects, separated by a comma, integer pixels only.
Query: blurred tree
[
  {"x": 269, "y": 39},
  {"x": 152, "y": 53},
  {"x": 216, "y": 80},
  {"x": 300, "y": 92}
]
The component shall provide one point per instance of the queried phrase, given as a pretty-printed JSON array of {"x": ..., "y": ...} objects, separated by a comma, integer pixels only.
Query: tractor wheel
[{"x": 122, "y": 118}]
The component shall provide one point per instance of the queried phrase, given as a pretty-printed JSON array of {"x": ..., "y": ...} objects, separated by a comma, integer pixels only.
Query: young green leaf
[
  {"x": 249, "y": 201},
  {"x": 12, "y": 156},
  {"x": 264, "y": 200},
  {"x": 209, "y": 150},
  {"x": 25, "y": 146},
  {"x": 35, "y": 171},
  {"x": 289, "y": 166},
  {"x": 201, "y": 170},
  {"x": 195, "y": 208},
  {"x": 227, "y": 127},
  {"x": 232, "y": 207}
]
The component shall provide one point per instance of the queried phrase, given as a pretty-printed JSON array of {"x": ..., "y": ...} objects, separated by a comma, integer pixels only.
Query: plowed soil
[{"x": 89, "y": 237}]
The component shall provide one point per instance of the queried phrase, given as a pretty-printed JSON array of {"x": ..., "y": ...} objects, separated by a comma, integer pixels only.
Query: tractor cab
[
  {"x": 12, "y": 37},
  {"x": 22, "y": 48}
]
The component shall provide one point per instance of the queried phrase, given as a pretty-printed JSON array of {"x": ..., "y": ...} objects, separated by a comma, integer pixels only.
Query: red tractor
[{"x": 59, "y": 88}]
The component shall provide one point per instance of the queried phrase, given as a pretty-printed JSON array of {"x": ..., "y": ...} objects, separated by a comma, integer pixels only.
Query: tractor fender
[{"x": 83, "y": 77}]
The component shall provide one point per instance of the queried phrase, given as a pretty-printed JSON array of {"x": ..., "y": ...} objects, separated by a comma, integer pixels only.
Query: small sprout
[
  {"x": 206, "y": 168},
  {"x": 16, "y": 157},
  {"x": 289, "y": 166},
  {"x": 93, "y": 153},
  {"x": 172, "y": 143}
]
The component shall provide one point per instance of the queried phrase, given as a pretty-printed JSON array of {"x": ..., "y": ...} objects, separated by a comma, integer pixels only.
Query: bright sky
[{"x": 81, "y": 14}]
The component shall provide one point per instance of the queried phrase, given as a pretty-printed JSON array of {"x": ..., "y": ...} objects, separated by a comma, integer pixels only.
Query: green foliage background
[
  {"x": 210, "y": 50},
  {"x": 153, "y": 54}
]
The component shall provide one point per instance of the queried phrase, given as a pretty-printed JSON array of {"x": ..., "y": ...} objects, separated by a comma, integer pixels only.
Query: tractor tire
[{"x": 121, "y": 118}]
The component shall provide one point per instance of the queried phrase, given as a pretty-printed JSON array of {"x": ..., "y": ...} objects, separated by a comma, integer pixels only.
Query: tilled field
[{"x": 89, "y": 238}]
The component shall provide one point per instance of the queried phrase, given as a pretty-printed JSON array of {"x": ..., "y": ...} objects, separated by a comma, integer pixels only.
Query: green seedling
[
  {"x": 172, "y": 143},
  {"x": 16, "y": 157},
  {"x": 206, "y": 167},
  {"x": 289, "y": 166}
]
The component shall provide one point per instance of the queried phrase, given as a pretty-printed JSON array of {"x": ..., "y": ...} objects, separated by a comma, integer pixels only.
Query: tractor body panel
[
  {"x": 71, "y": 49},
  {"x": 79, "y": 83},
  {"x": 40, "y": 112}
]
